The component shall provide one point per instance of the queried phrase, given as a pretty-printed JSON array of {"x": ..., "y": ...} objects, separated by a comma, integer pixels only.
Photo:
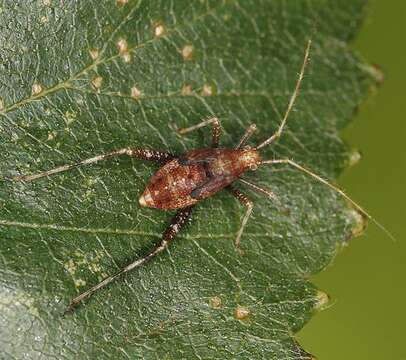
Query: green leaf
[{"x": 78, "y": 79}]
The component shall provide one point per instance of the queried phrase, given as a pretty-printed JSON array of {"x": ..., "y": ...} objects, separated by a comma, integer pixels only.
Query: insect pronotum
[{"x": 184, "y": 180}]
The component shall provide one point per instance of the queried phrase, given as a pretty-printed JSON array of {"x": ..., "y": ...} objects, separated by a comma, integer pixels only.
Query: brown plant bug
[{"x": 184, "y": 180}]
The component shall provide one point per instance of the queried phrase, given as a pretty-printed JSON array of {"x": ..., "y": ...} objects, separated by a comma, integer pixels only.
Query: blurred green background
[{"x": 367, "y": 281}]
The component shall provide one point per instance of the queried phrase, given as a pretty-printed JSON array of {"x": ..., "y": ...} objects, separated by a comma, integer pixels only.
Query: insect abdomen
[
  {"x": 193, "y": 176},
  {"x": 171, "y": 186}
]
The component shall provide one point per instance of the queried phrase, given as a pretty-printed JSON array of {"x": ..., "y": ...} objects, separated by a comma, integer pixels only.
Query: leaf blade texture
[{"x": 79, "y": 79}]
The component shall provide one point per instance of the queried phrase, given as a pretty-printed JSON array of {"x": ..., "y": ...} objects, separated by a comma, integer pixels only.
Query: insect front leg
[
  {"x": 216, "y": 132},
  {"x": 250, "y": 130},
  {"x": 244, "y": 200},
  {"x": 177, "y": 223},
  {"x": 145, "y": 154}
]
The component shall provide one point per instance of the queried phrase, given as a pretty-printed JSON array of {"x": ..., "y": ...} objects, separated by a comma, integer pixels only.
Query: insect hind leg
[
  {"x": 177, "y": 223},
  {"x": 216, "y": 132}
]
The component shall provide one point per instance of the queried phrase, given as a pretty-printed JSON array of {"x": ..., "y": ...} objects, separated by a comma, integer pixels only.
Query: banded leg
[
  {"x": 244, "y": 200},
  {"x": 268, "y": 192},
  {"x": 177, "y": 223},
  {"x": 250, "y": 130},
  {"x": 145, "y": 154},
  {"x": 215, "y": 132}
]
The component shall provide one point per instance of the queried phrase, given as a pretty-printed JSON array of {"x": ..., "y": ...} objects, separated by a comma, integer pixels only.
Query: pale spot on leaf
[
  {"x": 79, "y": 282},
  {"x": 36, "y": 89},
  {"x": 1, "y": 104},
  {"x": 241, "y": 313},
  {"x": 208, "y": 90},
  {"x": 135, "y": 92},
  {"x": 159, "y": 29},
  {"x": 122, "y": 45},
  {"x": 187, "y": 90},
  {"x": 70, "y": 267},
  {"x": 187, "y": 52},
  {"x": 120, "y": 3},
  {"x": 215, "y": 302},
  {"x": 94, "y": 53},
  {"x": 126, "y": 56},
  {"x": 51, "y": 135},
  {"x": 97, "y": 82}
]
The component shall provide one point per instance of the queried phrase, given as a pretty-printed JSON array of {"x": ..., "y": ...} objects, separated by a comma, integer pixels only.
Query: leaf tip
[
  {"x": 321, "y": 300},
  {"x": 358, "y": 224},
  {"x": 376, "y": 72},
  {"x": 354, "y": 157}
]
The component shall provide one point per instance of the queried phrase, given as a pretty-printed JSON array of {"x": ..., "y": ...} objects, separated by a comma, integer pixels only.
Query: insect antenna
[
  {"x": 331, "y": 186},
  {"x": 279, "y": 132},
  {"x": 292, "y": 100}
]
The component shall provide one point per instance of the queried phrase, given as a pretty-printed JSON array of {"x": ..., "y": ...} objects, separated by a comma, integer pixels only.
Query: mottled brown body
[{"x": 196, "y": 175}]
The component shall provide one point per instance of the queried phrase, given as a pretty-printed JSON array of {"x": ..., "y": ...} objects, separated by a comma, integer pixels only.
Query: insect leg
[
  {"x": 292, "y": 100},
  {"x": 250, "y": 130},
  {"x": 268, "y": 192},
  {"x": 177, "y": 223},
  {"x": 215, "y": 133},
  {"x": 244, "y": 200},
  {"x": 145, "y": 154}
]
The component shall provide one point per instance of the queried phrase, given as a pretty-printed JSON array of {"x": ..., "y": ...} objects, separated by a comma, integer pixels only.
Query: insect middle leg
[
  {"x": 243, "y": 199},
  {"x": 145, "y": 154},
  {"x": 216, "y": 132},
  {"x": 268, "y": 192},
  {"x": 177, "y": 223}
]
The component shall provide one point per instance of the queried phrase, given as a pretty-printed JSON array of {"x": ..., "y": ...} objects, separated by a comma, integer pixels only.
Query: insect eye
[
  {"x": 253, "y": 167},
  {"x": 247, "y": 147}
]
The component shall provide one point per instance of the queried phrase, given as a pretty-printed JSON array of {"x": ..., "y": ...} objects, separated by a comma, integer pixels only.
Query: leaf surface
[{"x": 78, "y": 79}]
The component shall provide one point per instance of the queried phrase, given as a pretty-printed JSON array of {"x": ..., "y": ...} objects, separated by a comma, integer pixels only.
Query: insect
[{"x": 183, "y": 181}]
